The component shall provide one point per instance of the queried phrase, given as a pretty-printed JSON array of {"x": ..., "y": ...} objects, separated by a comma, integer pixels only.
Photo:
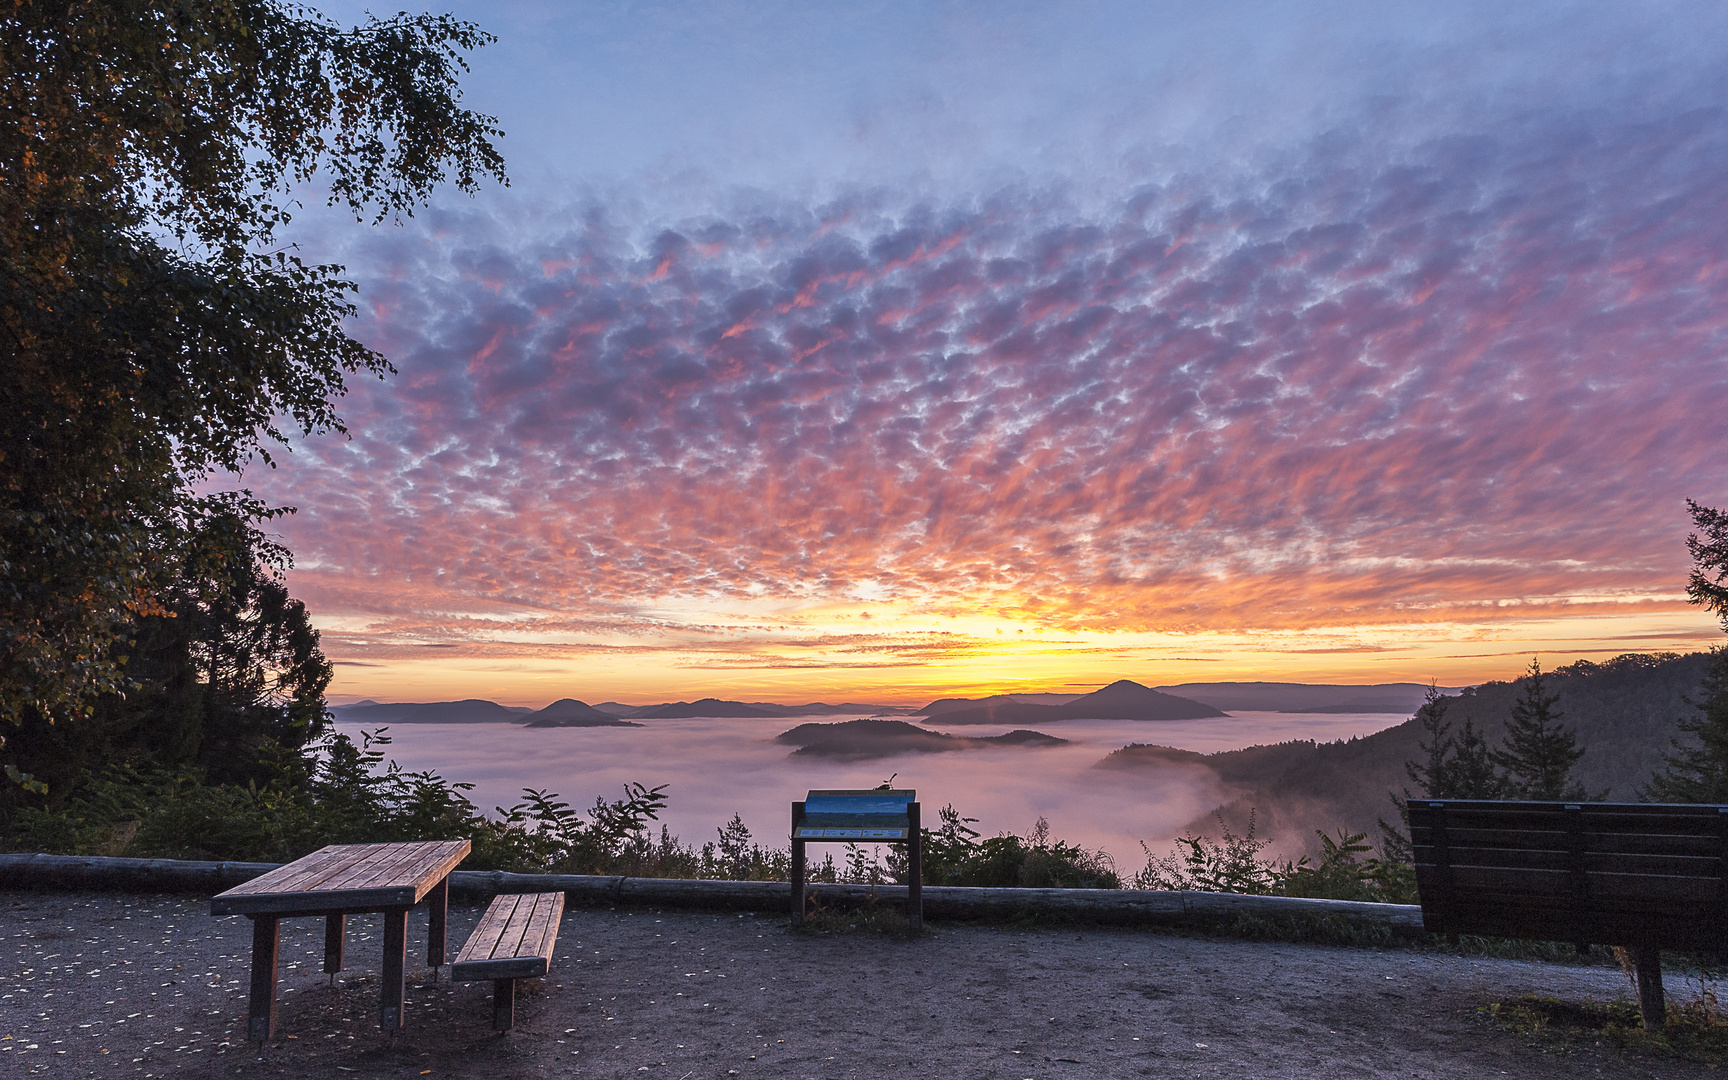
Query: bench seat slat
[
  {"x": 514, "y": 940},
  {"x": 483, "y": 942}
]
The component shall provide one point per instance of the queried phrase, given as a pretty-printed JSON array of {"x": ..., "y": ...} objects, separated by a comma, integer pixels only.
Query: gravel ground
[{"x": 153, "y": 986}]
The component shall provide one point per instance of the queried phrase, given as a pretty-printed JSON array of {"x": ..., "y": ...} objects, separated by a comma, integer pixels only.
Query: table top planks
[
  {"x": 514, "y": 940},
  {"x": 346, "y": 877}
]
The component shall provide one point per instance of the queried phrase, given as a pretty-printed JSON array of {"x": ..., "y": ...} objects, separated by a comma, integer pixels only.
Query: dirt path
[{"x": 104, "y": 985}]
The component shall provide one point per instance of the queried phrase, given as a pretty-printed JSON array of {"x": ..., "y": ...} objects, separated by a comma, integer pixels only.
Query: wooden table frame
[{"x": 335, "y": 882}]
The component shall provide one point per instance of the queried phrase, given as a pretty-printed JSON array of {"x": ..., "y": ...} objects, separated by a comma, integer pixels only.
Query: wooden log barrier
[{"x": 1126, "y": 907}]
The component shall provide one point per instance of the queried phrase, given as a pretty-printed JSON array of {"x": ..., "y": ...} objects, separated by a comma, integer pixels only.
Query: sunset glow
[{"x": 1374, "y": 400}]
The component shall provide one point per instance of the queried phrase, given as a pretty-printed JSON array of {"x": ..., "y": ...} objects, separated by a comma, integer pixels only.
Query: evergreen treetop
[{"x": 1539, "y": 752}]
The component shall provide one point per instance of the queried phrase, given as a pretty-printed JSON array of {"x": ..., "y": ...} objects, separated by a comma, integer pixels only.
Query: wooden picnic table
[{"x": 335, "y": 882}]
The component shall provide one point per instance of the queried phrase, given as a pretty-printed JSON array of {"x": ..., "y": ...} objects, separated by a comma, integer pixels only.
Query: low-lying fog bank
[{"x": 717, "y": 767}]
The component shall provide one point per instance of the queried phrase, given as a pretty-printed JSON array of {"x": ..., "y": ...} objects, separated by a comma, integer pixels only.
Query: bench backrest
[
  {"x": 1587, "y": 873},
  {"x": 878, "y": 814}
]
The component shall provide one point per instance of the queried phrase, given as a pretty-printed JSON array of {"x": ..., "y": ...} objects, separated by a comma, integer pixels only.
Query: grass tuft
[
  {"x": 869, "y": 918},
  {"x": 1694, "y": 1030}
]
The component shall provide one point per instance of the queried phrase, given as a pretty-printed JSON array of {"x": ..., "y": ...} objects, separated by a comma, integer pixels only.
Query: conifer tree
[
  {"x": 1539, "y": 751},
  {"x": 1471, "y": 771},
  {"x": 1699, "y": 773},
  {"x": 1709, "y": 582},
  {"x": 1433, "y": 778}
]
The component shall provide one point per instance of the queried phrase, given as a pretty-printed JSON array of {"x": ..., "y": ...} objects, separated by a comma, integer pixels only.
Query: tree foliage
[
  {"x": 152, "y": 332},
  {"x": 1708, "y": 585},
  {"x": 226, "y": 682},
  {"x": 1697, "y": 769},
  {"x": 1539, "y": 753}
]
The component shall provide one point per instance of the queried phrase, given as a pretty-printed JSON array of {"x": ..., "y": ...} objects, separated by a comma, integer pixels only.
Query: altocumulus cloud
[{"x": 1441, "y": 380}]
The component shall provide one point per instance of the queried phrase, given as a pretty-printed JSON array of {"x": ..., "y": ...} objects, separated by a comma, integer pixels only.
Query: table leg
[
  {"x": 261, "y": 1015},
  {"x": 390, "y": 1016},
  {"x": 335, "y": 939},
  {"x": 437, "y": 925}
]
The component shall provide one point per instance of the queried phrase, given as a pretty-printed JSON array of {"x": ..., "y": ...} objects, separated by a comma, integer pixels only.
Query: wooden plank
[
  {"x": 363, "y": 877},
  {"x": 437, "y": 865},
  {"x": 1628, "y": 931},
  {"x": 342, "y": 857},
  {"x": 543, "y": 926},
  {"x": 1420, "y": 805},
  {"x": 288, "y": 893},
  {"x": 1596, "y": 817},
  {"x": 523, "y": 946},
  {"x": 511, "y": 939},
  {"x": 413, "y": 867},
  {"x": 1628, "y": 843},
  {"x": 1562, "y": 907},
  {"x": 1594, "y": 862},
  {"x": 288, "y": 877},
  {"x": 1520, "y": 883},
  {"x": 374, "y": 871},
  {"x": 483, "y": 942}
]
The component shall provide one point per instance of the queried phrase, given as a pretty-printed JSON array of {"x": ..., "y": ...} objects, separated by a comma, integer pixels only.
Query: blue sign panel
[{"x": 873, "y": 814}]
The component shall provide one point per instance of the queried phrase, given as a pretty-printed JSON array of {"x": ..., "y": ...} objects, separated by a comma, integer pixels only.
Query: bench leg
[
  {"x": 261, "y": 1015},
  {"x": 1648, "y": 962},
  {"x": 390, "y": 1016},
  {"x": 437, "y": 924},
  {"x": 335, "y": 939},
  {"x": 503, "y": 1004}
]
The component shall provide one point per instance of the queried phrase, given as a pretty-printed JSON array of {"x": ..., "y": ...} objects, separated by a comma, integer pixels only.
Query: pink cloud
[{"x": 1491, "y": 371}]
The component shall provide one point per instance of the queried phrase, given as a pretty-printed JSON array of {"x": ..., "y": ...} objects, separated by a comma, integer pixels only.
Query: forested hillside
[{"x": 1624, "y": 711}]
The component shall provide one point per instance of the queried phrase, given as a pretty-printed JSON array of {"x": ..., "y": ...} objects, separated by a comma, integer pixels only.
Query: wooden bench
[
  {"x": 1642, "y": 876},
  {"x": 514, "y": 940}
]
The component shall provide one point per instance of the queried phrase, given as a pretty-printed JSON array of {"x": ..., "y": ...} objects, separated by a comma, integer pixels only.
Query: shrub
[{"x": 1233, "y": 864}]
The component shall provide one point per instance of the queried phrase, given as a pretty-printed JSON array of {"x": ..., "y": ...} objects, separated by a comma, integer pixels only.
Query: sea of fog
[{"x": 714, "y": 768}]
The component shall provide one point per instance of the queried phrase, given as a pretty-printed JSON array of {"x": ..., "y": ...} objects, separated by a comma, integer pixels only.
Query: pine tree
[
  {"x": 1708, "y": 584},
  {"x": 1539, "y": 752},
  {"x": 1699, "y": 774},
  {"x": 1471, "y": 771},
  {"x": 1456, "y": 768},
  {"x": 1433, "y": 779}
]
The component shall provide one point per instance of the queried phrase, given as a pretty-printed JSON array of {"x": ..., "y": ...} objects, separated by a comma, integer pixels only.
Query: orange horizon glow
[{"x": 932, "y": 663}]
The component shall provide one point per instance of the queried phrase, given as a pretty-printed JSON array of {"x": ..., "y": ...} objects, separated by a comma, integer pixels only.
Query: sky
[{"x": 883, "y": 351}]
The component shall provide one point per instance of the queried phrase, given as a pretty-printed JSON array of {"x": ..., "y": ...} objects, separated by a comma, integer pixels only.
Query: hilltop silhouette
[
  {"x": 860, "y": 739},
  {"x": 1121, "y": 700}
]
